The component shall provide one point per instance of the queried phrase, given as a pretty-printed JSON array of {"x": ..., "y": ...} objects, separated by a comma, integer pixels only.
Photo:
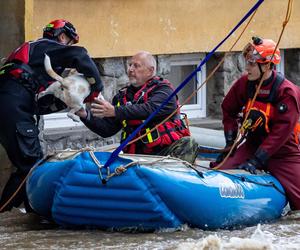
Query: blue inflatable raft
[{"x": 150, "y": 193}]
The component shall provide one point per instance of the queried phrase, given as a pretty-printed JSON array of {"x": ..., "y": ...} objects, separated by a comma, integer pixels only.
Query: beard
[{"x": 135, "y": 83}]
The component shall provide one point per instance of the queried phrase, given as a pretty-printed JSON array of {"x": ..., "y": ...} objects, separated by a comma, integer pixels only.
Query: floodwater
[{"x": 19, "y": 230}]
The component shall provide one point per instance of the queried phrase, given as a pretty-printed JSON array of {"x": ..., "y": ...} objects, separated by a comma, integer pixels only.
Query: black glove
[
  {"x": 258, "y": 162},
  {"x": 250, "y": 166},
  {"x": 229, "y": 138}
]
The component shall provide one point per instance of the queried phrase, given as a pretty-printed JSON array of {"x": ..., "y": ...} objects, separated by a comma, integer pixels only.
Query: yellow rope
[{"x": 285, "y": 22}]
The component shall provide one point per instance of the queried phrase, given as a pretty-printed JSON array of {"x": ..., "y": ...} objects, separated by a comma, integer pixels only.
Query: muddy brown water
[{"x": 19, "y": 230}]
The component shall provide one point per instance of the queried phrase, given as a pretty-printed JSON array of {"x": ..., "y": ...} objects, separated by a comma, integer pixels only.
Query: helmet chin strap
[{"x": 260, "y": 70}]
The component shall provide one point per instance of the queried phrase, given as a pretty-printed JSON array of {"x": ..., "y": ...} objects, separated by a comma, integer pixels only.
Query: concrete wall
[
  {"x": 220, "y": 83},
  {"x": 12, "y": 31},
  {"x": 113, "y": 28},
  {"x": 12, "y": 34}
]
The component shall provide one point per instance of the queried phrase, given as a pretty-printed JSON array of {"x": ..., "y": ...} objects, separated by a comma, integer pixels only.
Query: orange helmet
[{"x": 261, "y": 51}]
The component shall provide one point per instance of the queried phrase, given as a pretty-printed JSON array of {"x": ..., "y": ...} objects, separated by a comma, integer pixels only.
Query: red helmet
[
  {"x": 261, "y": 51},
  {"x": 56, "y": 27}
]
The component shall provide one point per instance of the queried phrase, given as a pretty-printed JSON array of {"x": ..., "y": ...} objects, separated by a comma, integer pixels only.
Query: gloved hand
[
  {"x": 95, "y": 90},
  {"x": 250, "y": 166},
  {"x": 91, "y": 96},
  {"x": 229, "y": 138},
  {"x": 257, "y": 162}
]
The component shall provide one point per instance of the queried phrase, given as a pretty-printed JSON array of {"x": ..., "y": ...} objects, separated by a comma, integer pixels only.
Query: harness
[
  {"x": 263, "y": 109},
  {"x": 17, "y": 67},
  {"x": 165, "y": 134}
]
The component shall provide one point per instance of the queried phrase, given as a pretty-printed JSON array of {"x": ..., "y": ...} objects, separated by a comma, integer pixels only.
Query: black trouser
[{"x": 19, "y": 136}]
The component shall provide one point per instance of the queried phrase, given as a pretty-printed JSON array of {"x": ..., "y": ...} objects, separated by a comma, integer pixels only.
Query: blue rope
[{"x": 133, "y": 134}]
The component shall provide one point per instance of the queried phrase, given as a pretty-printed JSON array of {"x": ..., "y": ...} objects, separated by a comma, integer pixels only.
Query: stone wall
[
  {"x": 292, "y": 65},
  {"x": 232, "y": 69},
  {"x": 220, "y": 82}
]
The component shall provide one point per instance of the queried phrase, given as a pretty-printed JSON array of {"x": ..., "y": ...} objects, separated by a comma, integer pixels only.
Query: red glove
[{"x": 91, "y": 96}]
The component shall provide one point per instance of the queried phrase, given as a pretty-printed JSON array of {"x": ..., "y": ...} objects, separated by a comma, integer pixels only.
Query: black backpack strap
[{"x": 273, "y": 93}]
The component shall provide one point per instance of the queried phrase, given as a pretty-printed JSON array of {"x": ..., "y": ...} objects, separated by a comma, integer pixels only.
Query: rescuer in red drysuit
[{"x": 271, "y": 128}]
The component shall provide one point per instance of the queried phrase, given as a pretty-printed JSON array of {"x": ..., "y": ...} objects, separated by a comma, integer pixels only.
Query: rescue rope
[
  {"x": 121, "y": 169},
  {"x": 133, "y": 134},
  {"x": 39, "y": 162},
  {"x": 241, "y": 130}
]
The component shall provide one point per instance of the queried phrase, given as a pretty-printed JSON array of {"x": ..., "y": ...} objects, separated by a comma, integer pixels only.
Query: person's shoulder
[
  {"x": 122, "y": 91},
  {"x": 51, "y": 43},
  {"x": 287, "y": 87},
  {"x": 44, "y": 40},
  {"x": 160, "y": 81},
  {"x": 243, "y": 79}
]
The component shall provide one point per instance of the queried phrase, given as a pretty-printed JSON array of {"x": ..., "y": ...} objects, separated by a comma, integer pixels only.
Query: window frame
[{"x": 193, "y": 110}]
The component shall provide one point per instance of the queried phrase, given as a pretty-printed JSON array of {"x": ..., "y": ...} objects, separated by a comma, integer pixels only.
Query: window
[
  {"x": 181, "y": 67},
  {"x": 280, "y": 67}
]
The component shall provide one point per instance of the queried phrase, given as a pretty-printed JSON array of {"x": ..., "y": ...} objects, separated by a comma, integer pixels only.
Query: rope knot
[{"x": 120, "y": 170}]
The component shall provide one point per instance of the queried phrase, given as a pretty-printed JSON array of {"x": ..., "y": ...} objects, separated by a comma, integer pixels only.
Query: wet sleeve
[
  {"x": 143, "y": 110},
  {"x": 232, "y": 105},
  {"x": 78, "y": 58},
  {"x": 105, "y": 127}
]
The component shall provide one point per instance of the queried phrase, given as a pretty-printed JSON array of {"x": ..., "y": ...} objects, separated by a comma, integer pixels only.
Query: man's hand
[
  {"x": 81, "y": 113},
  {"x": 102, "y": 108}
]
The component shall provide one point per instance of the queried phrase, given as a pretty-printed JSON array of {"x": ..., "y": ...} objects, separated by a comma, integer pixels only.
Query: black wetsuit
[{"x": 22, "y": 76}]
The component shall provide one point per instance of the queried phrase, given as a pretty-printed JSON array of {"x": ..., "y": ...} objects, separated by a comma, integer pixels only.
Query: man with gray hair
[{"x": 133, "y": 104}]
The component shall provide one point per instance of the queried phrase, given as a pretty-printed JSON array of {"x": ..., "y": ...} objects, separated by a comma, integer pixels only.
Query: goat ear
[
  {"x": 72, "y": 72},
  {"x": 69, "y": 72}
]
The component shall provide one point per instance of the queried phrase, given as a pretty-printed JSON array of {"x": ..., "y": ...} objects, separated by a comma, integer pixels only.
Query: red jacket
[
  {"x": 281, "y": 139},
  {"x": 132, "y": 106},
  {"x": 282, "y": 150}
]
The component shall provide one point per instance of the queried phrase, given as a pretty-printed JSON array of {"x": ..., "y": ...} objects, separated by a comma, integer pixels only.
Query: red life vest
[
  {"x": 16, "y": 60},
  {"x": 259, "y": 117},
  {"x": 164, "y": 135},
  {"x": 17, "y": 67}
]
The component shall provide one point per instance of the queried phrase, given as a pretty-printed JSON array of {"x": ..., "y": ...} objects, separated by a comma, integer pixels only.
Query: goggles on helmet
[{"x": 261, "y": 51}]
